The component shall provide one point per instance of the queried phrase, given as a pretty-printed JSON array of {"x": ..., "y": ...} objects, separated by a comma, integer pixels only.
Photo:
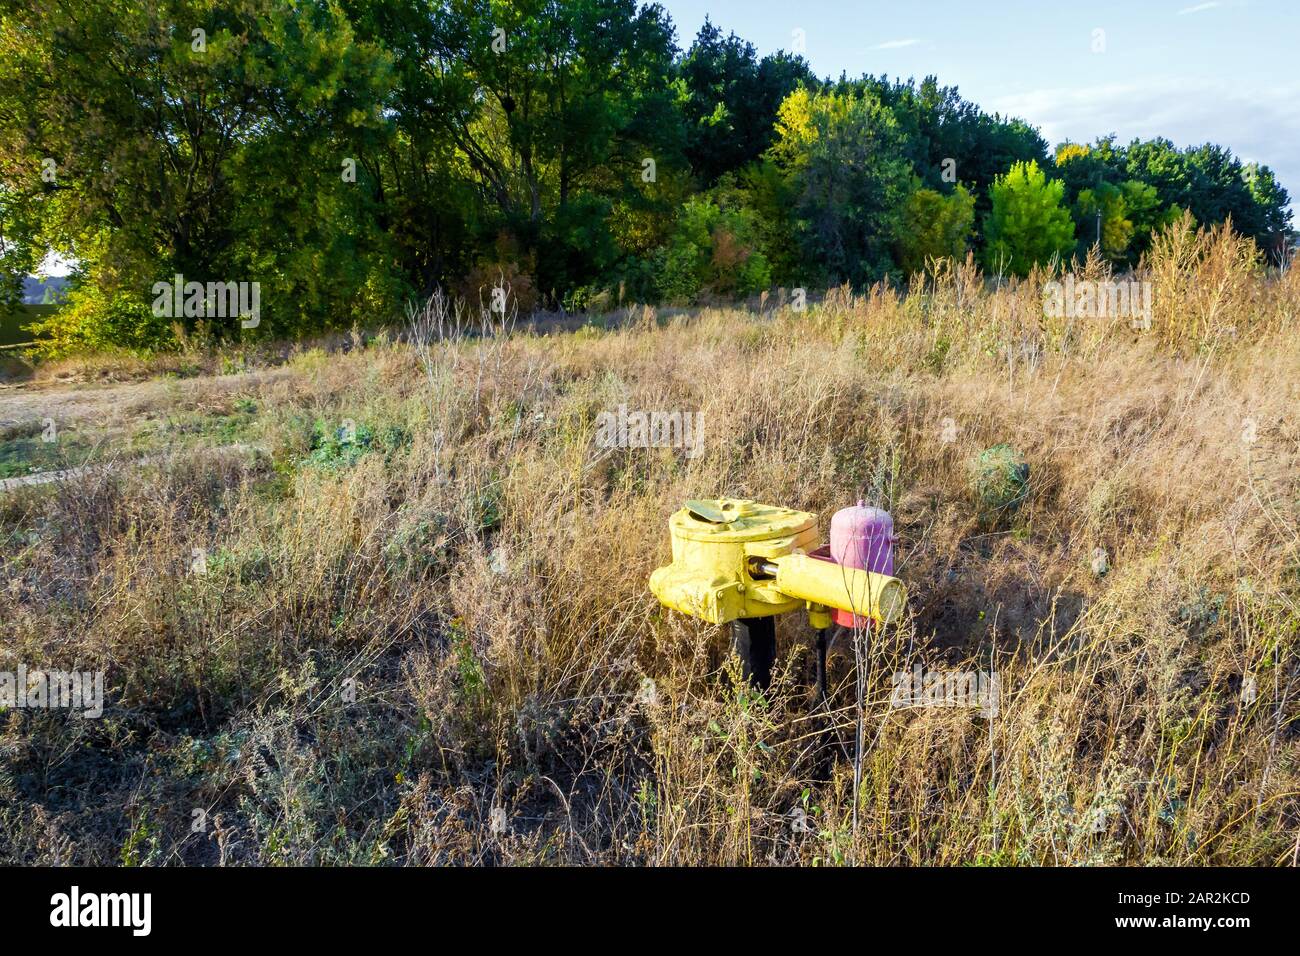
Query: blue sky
[{"x": 1190, "y": 70}]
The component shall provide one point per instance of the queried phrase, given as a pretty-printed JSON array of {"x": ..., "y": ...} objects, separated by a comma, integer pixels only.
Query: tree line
[{"x": 350, "y": 154}]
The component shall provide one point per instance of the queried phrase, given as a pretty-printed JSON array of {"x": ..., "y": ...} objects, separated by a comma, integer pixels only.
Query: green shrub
[
  {"x": 337, "y": 447},
  {"x": 97, "y": 321},
  {"x": 999, "y": 479},
  {"x": 712, "y": 250}
]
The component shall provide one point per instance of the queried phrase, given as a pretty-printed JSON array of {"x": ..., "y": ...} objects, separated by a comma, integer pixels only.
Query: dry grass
[{"x": 480, "y": 573}]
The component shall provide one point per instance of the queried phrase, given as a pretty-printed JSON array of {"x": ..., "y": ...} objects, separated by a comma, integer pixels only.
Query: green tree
[
  {"x": 947, "y": 138},
  {"x": 197, "y": 124},
  {"x": 419, "y": 189},
  {"x": 842, "y": 154},
  {"x": 1143, "y": 208},
  {"x": 769, "y": 196},
  {"x": 1214, "y": 186},
  {"x": 713, "y": 250},
  {"x": 1102, "y": 216},
  {"x": 934, "y": 226},
  {"x": 1082, "y": 167},
  {"x": 1097, "y": 181},
  {"x": 730, "y": 99},
  {"x": 1028, "y": 223},
  {"x": 554, "y": 107},
  {"x": 1273, "y": 201}
]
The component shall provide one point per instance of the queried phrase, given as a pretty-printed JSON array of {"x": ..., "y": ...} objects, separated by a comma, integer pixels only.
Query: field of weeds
[{"x": 387, "y": 603}]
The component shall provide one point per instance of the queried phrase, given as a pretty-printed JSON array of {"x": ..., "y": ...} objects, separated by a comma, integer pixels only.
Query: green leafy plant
[{"x": 1028, "y": 224}]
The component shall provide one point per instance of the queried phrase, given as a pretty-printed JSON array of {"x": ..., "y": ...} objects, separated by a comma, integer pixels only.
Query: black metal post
[
  {"x": 821, "y": 664},
  {"x": 755, "y": 641}
]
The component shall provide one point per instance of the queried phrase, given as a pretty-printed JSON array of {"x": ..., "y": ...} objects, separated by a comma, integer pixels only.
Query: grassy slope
[{"x": 436, "y": 644}]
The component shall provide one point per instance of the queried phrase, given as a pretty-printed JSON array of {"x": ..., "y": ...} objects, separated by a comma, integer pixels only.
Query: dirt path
[
  {"x": 73, "y": 403},
  {"x": 20, "y": 404},
  {"x": 110, "y": 413},
  {"x": 69, "y": 474}
]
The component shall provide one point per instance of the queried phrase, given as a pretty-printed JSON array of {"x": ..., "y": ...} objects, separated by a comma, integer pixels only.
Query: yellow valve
[
  {"x": 734, "y": 558},
  {"x": 819, "y": 616},
  {"x": 712, "y": 542},
  {"x": 818, "y": 581}
]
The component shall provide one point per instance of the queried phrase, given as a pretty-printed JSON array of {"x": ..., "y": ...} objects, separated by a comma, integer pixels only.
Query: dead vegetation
[{"x": 420, "y": 631}]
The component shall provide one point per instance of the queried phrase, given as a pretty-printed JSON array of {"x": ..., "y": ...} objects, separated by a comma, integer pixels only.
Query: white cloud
[
  {"x": 1185, "y": 110},
  {"x": 1256, "y": 123},
  {"x": 896, "y": 44},
  {"x": 1199, "y": 7}
]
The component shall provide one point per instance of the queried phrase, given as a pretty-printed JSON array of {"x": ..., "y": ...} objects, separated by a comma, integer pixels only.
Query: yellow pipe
[{"x": 877, "y": 596}]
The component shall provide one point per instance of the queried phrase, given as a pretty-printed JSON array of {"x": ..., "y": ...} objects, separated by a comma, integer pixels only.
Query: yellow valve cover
[
  {"x": 712, "y": 541},
  {"x": 709, "y": 577},
  {"x": 827, "y": 584}
]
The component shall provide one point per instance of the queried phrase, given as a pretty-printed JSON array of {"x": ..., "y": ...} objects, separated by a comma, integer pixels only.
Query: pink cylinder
[{"x": 862, "y": 537}]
